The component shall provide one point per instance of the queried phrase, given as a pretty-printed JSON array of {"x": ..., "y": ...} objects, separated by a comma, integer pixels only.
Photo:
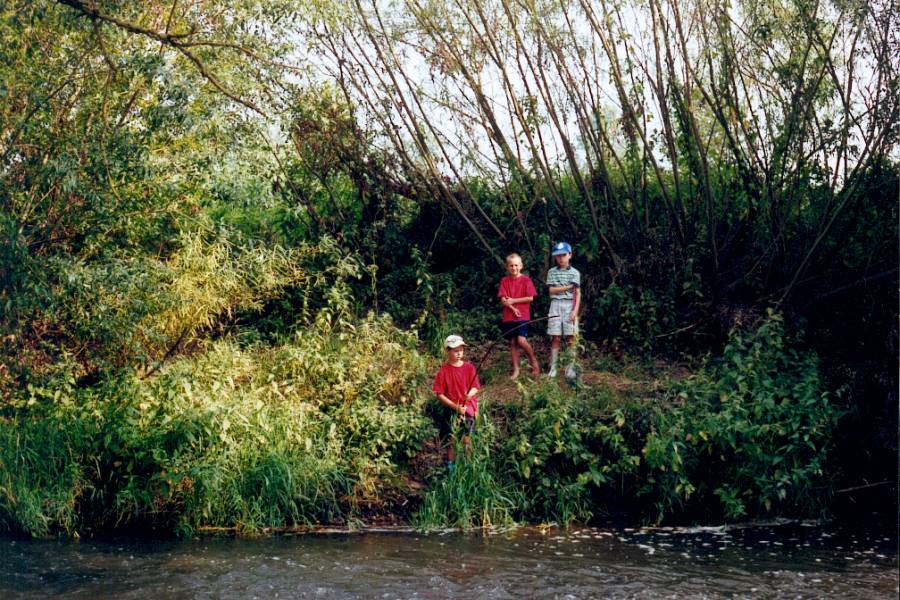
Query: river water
[{"x": 777, "y": 561}]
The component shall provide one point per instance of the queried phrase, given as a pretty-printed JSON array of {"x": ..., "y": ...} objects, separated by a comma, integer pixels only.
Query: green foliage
[
  {"x": 473, "y": 325},
  {"x": 556, "y": 458},
  {"x": 42, "y": 475},
  {"x": 180, "y": 285},
  {"x": 474, "y": 492},
  {"x": 634, "y": 316},
  {"x": 309, "y": 431},
  {"x": 322, "y": 428},
  {"x": 108, "y": 150},
  {"x": 747, "y": 436},
  {"x": 552, "y": 458},
  {"x": 563, "y": 451}
]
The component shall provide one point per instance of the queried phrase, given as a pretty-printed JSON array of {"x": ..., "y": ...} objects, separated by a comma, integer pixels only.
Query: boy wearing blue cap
[{"x": 564, "y": 286}]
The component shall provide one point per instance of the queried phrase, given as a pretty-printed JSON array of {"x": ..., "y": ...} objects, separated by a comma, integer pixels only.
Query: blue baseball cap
[{"x": 561, "y": 248}]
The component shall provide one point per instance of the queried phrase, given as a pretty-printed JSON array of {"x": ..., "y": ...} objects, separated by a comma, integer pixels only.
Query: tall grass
[
  {"x": 42, "y": 475},
  {"x": 299, "y": 433},
  {"x": 473, "y": 493}
]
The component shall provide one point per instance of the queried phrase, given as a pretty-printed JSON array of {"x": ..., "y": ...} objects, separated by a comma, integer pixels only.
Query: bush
[
  {"x": 322, "y": 427},
  {"x": 555, "y": 457},
  {"x": 309, "y": 431},
  {"x": 633, "y": 316},
  {"x": 748, "y": 436},
  {"x": 563, "y": 451}
]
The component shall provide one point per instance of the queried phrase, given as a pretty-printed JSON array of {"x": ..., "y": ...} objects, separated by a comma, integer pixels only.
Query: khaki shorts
[{"x": 559, "y": 323}]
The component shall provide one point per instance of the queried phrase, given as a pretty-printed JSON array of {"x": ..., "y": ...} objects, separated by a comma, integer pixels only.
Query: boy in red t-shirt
[
  {"x": 516, "y": 294},
  {"x": 457, "y": 385}
]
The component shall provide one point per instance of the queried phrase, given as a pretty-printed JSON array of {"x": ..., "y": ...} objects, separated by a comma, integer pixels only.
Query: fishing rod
[
  {"x": 501, "y": 337},
  {"x": 490, "y": 349},
  {"x": 493, "y": 343}
]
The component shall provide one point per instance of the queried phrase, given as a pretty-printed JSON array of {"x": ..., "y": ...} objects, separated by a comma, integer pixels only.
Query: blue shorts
[{"x": 513, "y": 329}]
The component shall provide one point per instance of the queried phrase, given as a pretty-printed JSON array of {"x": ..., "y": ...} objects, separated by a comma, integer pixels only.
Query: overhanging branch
[{"x": 178, "y": 41}]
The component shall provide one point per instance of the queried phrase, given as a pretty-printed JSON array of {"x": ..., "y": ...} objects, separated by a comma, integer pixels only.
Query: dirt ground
[{"x": 620, "y": 376}]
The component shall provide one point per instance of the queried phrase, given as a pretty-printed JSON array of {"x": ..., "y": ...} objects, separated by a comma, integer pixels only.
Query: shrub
[
  {"x": 747, "y": 436},
  {"x": 634, "y": 316},
  {"x": 304, "y": 432},
  {"x": 564, "y": 451}
]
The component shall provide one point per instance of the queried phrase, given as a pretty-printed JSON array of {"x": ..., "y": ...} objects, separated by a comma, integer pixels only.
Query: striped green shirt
[{"x": 557, "y": 277}]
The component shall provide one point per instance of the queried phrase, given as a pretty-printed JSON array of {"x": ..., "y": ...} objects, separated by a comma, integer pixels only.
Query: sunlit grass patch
[{"x": 299, "y": 433}]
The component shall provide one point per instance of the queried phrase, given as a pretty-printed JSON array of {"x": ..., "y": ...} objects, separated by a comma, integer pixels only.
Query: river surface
[{"x": 783, "y": 561}]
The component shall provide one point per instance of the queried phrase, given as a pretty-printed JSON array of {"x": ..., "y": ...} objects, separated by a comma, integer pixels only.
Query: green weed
[
  {"x": 249, "y": 438},
  {"x": 747, "y": 436},
  {"x": 472, "y": 493}
]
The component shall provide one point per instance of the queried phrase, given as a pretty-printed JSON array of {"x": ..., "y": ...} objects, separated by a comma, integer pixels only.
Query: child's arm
[
  {"x": 440, "y": 387},
  {"x": 528, "y": 298},
  {"x": 510, "y": 301},
  {"x": 460, "y": 408},
  {"x": 562, "y": 288},
  {"x": 505, "y": 300},
  {"x": 472, "y": 393},
  {"x": 576, "y": 302},
  {"x": 474, "y": 388}
]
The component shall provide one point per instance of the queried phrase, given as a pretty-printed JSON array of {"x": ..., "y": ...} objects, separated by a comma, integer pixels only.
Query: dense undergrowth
[
  {"x": 747, "y": 435},
  {"x": 184, "y": 286},
  {"x": 308, "y": 431},
  {"x": 326, "y": 427}
]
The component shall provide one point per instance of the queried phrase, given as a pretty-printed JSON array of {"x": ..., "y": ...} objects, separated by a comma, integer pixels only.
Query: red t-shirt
[
  {"x": 455, "y": 383},
  {"x": 517, "y": 287}
]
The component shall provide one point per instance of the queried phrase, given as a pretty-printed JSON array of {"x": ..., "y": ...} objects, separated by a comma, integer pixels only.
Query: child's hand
[
  {"x": 573, "y": 316},
  {"x": 515, "y": 311}
]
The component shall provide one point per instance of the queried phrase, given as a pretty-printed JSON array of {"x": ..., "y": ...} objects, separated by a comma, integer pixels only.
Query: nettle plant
[
  {"x": 564, "y": 454},
  {"x": 747, "y": 436}
]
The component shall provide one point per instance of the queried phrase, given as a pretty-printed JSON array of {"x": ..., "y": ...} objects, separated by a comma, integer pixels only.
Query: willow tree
[
  {"x": 113, "y": 119},
  {"x": 733, "y": 134}
]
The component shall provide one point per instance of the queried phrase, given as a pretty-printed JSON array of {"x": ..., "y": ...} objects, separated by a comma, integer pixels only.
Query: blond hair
[{"x": 513, "y": 255}]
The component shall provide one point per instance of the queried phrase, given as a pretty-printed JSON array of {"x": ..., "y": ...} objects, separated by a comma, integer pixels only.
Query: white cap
[{"x": 453, "y": 341}]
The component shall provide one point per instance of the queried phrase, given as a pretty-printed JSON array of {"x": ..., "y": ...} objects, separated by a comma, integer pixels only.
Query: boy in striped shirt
[{"x": 564, "y": 286}]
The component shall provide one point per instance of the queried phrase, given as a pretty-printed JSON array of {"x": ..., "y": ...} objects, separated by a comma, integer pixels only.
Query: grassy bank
[
  {"x": 335, "y": 425},
  {"x": 312, "y": 430}
]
